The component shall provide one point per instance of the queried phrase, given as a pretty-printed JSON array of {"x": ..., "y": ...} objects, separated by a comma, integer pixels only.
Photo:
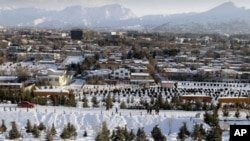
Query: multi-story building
[{"x": 54, "y": 77}]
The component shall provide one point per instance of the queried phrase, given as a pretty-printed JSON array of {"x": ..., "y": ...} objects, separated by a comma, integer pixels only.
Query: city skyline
[{"x": 139, "y": 7}]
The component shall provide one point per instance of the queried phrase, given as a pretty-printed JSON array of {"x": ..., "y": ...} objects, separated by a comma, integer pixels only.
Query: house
[
  {"x": 141, "y": 79},
  {"x": 234, "y": 100},
  {"x": 54, "y": 77},
  {"x": 202, "y": 98},
  {"x": 121, "y": 73},
  {"x": 168, "y": 84}
]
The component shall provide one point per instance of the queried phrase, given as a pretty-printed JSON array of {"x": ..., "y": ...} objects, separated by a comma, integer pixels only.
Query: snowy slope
[{"x": 90, "y": 119}]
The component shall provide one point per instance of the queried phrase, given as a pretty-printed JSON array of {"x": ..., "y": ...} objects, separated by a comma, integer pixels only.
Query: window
[{"x": 126, "y": 73}]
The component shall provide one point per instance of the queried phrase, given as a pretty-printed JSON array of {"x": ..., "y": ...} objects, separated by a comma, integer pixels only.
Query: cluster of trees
[
  {"x": 122, "y": 134},
  {"x": 68, "y": 132},
  {"x": 156, "y": 102}
]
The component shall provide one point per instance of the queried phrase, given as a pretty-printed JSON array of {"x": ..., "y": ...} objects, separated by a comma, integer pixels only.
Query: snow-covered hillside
[{"x": 90, "y": 119}]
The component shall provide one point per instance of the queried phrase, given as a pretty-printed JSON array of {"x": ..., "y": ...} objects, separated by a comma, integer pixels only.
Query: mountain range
[{"x": 225, "y": 18}]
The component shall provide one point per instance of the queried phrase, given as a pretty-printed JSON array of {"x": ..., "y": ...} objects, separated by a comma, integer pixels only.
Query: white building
[
  {"x": 120, "y": 73},
  {"x": 54, "y": 77}
]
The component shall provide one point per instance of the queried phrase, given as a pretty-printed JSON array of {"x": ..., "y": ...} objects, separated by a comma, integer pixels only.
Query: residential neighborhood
[{"x": 62, "y": 67}]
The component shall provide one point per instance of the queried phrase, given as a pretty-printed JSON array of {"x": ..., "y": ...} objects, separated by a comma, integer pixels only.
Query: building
[
  {"x": 121, "y": 73},
  {"x": 168, "y": 84},
  {"x": 54, "y": 77},
  {"x": 76, "y": 34},
  {"x": 141, "y": 79},
  {"x": 51, "y": 92},
  {"x": 194, "y": 98}
]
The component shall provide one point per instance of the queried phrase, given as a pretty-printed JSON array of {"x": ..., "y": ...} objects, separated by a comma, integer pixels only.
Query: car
[{"x": 26, "y": 104}]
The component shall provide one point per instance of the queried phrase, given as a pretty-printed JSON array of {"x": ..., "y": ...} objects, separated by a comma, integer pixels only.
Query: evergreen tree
[
  {"x": 198, "y": 132},
  {"x": 72, "y": 130},
  {"x": 49, "y": 136},
  {"x": 157, "y": 134},
  {"x": 3, "y": 128},
  {"x": 109, "y": 102},
  {"x": 85, "y": 102},
  {"x": 131, "y": 135},
  {"x": 183, "y": 132},
  {"x": 166, "y": 105},
  {"x": 159, "y": 101},
  {"x": 237, "y": 113},
  {"x": 113, "y": 135},
  {"x": 103, "y": 134},
  {"x": 14, "y": 133},
  {"x": 94, "y": 101},
  {"x": 113, "y": 98},
  {"x": 141, "y": 135},
  {"x": 215, "y": 134},
  {"x": 123, "y": 105},
  {"x": 53, "y": 130},
  {"x": 225, "y": 112},
  {"x": 35, "y": 131},
  {"x": 68, "y": 131},
  {"x": 41, "y": 126},
  {"x": 211, "y": 119},
  {"x": 65, "y": 133},
  {"x": 29, "y": 127},
  {"x": 119, "y": 134},
  {"x": 132, "y": 99}
]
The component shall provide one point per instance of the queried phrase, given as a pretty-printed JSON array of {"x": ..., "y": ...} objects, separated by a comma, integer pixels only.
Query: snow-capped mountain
[
  {"x": 70, "y": 16},
  {"x": 223, "y": 18}
]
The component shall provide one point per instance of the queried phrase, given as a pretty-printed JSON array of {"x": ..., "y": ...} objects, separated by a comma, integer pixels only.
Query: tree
[
  {"x": 215, "y": 134},
  {"x": 157, "y": 134},
  {"x": 225, "y": 112},
  {"x": 211, "y": 119},
  {"x": 65, "y": 133},
  {"x": 237, "y": 113},
  {"x": 29, "y": 127},
  {"x": 53, "y": 130},
  {"x": 183, "y": 132},
  {"x": 68, "y": 131},
  {"x": 49, "y": 136},
  {"x": 35, "y": 131},
  {"x": 3, "y": 128},
  {"x": 72, "y": 130},
  {"x": 85, "y": 102},
  {"x": 103, "y": 134},
  {"x": 159, "y": 101},
  {"x": 131, "y": 135},
  {"x": 14, "y": 133},
  {"x": 198, "y": 132},
  {"x": 123, "y": 105},
  {"x": 141, "y": 135},
  {"x": 94, "y": 101},
  {"x": 41, "y": 126},
  {"x": 109, "y": 102}
]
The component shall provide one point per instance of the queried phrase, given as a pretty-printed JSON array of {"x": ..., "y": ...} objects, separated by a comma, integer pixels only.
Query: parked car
[{"x": 26, "y": 104}]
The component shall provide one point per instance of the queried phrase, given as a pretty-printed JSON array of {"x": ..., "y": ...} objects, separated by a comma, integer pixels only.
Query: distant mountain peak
[{"x": 225, "y": 6}]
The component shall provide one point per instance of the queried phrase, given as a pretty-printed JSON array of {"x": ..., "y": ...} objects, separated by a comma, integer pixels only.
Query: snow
[
  {"x": 38, "y": 21},
  {"x": 90, "y": 119}
]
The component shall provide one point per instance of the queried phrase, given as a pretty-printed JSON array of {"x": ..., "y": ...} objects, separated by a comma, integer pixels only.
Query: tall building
[{"x": 76, "y": 34}]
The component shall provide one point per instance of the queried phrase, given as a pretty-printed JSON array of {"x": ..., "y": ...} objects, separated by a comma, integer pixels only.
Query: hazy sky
[{"x": 139, "y": 7}]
